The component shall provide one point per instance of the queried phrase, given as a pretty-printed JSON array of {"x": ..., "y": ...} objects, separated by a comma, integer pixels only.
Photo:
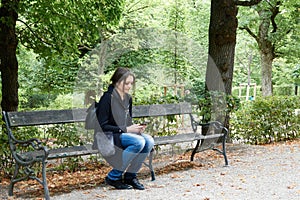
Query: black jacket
[{"x": 114, "y": 114}]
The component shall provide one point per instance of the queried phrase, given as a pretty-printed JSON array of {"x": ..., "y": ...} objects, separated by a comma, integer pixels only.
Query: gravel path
[{"x": 255, "y": 172}]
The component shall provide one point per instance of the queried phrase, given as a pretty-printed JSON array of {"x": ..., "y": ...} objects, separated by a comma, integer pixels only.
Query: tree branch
[
  {"x": 137, "y": 9},
  {"x": 275, "y": 12},
  {"x": 34, "y": 32},
  {"x": 247, "y": 3},
  {"x": 250, "y": 32}
]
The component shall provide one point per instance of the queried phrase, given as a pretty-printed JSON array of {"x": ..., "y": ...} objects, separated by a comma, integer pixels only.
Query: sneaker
[
  {"x": 118, "y": 184},
  {"x": 134, "y": 183}
]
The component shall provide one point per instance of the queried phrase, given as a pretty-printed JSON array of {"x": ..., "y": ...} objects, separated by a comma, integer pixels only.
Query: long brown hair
[{"x": 120, "y": 75}]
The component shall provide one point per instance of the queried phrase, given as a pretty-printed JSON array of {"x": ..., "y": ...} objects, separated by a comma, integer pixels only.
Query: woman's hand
[{"x": 136, "y": 128}]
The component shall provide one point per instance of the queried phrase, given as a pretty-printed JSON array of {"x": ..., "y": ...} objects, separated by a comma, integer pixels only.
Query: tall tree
[
  {"x": 268, "y": 26},
  {"x": 222, "y": 41},
  {"x": 59, "y": 31}
]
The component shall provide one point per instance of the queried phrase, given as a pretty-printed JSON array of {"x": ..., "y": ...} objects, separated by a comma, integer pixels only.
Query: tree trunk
[
  {"x": 267, "y": 54},
  {"x": 8, "y": 59},
  {"x": 222, "y": 40},
  {"x": 266, "y": 71}
]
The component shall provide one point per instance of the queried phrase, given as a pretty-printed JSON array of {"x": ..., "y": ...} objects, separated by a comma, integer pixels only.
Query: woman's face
[{"x": 126, "y": 85}]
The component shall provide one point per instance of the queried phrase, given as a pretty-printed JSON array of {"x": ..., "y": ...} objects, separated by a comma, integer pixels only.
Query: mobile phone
[{"x": 143, "y": 124}]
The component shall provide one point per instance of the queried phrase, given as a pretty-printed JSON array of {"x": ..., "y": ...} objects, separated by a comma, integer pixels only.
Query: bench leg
[
  {"x": 151, "y": 166},
  {"x": 29, "y": 174},
  {"x": 224, "y": 150},
  {"x": 195, "y": 150},
  {"x": 13, "y": 180},
  {"x": 45, "y": 185}
]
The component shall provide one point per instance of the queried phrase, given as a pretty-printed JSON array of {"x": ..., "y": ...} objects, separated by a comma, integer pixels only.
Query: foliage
[
  {"x": 296, "y": 75},
  {"x": 266, "y": 120},
  {"x": 197, "y": 21},
  {"x": 143, "y": 14},
  {"x": 283, "y": 90},
  {"x": 283, "y": 25},
  {"x": 288, "y": 45},
  {"x": 215, "y": 106},
  {"x": 5, "y": 154},
  {"x": 279, "y": 21},
  {"x": 66, "y": 25},
  {"x": 247, "y": 62},
  {"x": 65, "y": 32}
]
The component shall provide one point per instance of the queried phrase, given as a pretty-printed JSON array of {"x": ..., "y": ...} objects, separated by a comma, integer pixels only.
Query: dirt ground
[{"x": 255, "y": 172}]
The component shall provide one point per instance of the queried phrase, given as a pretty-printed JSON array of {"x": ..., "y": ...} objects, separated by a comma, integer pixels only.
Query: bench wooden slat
[
  {"x": 172, "y": 139},
  {"x": 161, "y": 110},
  {"x": 186, "y": 137},
  {"x": 71, "y": 151},
  {"x": 64, "y": 152},
  {"x": 32, "y": 118},
  {"x": 87, "y": 149}
]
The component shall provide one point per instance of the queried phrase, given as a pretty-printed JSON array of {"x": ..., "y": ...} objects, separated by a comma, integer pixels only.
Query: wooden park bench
[{"x": 41, "y": 154}]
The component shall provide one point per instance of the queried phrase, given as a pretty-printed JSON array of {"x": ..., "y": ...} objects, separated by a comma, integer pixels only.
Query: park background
[{"x": 254, "y": 45}]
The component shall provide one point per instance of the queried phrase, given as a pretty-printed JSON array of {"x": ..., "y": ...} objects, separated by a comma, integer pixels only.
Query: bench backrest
[{"x": 31, "y": 118}]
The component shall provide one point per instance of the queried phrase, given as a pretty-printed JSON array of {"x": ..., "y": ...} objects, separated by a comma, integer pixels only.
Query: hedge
[{"x": 266, "y": 120}]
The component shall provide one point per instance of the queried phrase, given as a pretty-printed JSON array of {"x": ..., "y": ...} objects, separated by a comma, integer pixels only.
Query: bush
[
  {"x": 6, "y": 165},
  {"x": 266, "y": 120}
]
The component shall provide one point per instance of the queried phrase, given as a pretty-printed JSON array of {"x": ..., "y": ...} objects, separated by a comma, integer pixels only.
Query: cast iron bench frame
[{"x": 47, "y": 117}]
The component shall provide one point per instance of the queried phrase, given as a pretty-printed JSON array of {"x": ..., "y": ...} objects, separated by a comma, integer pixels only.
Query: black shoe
[
  {"x": 134, "y": 183},
  {"x": 118, "y": 184}
]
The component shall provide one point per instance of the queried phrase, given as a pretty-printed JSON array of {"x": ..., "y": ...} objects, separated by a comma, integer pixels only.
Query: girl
[{"x": 132, "y": 145}]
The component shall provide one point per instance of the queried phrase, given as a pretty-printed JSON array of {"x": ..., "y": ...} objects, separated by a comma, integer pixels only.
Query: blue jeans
[{"x": 136, "y": 149}]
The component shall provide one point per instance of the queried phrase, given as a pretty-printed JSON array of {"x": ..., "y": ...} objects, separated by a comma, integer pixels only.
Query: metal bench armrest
[{"x": 25, "y": 158}]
